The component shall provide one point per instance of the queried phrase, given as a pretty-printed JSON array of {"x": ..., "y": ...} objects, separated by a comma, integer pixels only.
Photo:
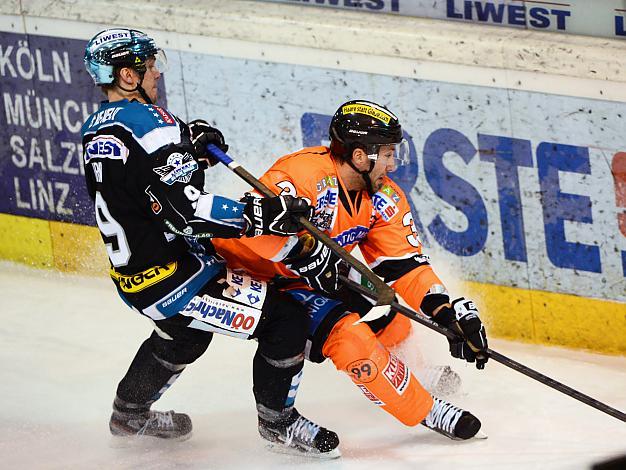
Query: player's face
[
  {"x": 384, "y": 164},
  {"x": 151, "y": 79}
]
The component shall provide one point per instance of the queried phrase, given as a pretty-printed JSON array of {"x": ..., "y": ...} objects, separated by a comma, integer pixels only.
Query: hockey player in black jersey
[{"x": 145, "y": 173}]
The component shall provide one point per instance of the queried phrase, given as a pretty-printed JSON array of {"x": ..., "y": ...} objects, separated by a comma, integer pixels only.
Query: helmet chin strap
[
  {"x": 365, "y": 174},
  {"x": 143, "y": 93},
  {"x": 139, "y": 89}
]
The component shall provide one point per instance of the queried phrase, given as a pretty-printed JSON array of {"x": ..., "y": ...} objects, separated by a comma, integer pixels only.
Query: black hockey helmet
[{"x": 366, "y": 125}]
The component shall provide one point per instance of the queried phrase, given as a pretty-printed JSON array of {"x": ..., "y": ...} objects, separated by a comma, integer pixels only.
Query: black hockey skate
[
  {"x": 160, "y": 424},
  {"x": 452, "y": 422},
  {"x": 297, "y": 435}
]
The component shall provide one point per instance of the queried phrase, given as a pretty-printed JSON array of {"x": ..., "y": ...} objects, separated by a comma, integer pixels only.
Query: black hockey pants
[{"x": 280, "y": 328}]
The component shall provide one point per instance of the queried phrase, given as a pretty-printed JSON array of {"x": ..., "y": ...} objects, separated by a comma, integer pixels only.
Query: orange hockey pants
[{"x": 382, "y": 377}]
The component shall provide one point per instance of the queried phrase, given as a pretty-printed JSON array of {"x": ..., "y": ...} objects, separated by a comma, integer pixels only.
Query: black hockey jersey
[{"x": 147, "y": 188}]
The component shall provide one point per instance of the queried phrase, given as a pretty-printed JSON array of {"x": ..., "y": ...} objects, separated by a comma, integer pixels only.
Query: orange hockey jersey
[{"x": 381, "y": 225}]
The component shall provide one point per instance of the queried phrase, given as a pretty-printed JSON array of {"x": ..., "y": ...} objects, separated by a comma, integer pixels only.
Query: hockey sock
[
  {"x": 148, "y": 377},
  {"x": 382, "y": 377},
  {"x": 276, "y": 384}
]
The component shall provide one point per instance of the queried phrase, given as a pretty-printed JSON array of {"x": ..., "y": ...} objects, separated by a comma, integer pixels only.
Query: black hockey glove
[
  {"x": 463, "y": 319},
  {"x": 317, "y": 265},
  {"x": 203, "y": 134},
  {"x": 274, "y": 215}
]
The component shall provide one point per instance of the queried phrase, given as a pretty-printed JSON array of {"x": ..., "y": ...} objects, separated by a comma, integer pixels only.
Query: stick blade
[{"x": 376, "y": 312}]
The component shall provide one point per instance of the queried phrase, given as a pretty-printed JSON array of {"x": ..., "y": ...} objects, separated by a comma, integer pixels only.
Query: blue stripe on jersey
[
  {"x": 139, "y": 118},
  {"x": 176, "y": 300},
  {"x": 227, "y": 212}
]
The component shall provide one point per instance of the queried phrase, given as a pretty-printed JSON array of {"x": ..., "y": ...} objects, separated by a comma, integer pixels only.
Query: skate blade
[
  {"x": 479, "y": 435},
  {"x": 118, "y": 441},
  {"x": 282, "y": 449}
]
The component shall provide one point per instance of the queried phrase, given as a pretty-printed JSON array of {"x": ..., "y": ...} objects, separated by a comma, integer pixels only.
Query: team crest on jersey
[
  {"x": 105, "y": 146},
  {"x": 179, "y": 169}
]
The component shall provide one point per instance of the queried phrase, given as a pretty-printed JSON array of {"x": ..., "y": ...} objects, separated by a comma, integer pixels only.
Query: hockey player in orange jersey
[{"x": 357, "y": 204}]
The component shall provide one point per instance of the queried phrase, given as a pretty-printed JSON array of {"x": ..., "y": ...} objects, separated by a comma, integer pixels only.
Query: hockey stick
[
  {"x": 385, "y": 294},
  {"x": 496, "y": 356}
]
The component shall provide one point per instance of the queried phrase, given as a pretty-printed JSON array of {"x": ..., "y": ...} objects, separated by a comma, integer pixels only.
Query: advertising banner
[
  {"x": 603, "y": 18},
  {"x": 45, "y": 96},
  {"x": 514, "y": 188},
  {"x": 508, "y": 187}
]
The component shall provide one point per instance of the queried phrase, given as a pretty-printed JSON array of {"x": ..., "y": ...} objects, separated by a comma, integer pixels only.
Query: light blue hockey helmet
[{"x": 119, "y": 47}]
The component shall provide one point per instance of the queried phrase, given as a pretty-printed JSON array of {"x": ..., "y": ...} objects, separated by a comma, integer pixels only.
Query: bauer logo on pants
[{"x": 222, "y": 315}]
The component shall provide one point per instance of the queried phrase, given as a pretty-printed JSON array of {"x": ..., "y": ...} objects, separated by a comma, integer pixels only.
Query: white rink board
[
  {"x": 261, "y": 105},
  {"x": 594, "y": 18}
]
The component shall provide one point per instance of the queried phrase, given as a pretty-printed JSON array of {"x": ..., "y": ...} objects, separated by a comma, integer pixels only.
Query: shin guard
[
  {"x": 148, "y": 377},
  {"x": 382, "y": 377},
  {"x": 276, "y": 384}
]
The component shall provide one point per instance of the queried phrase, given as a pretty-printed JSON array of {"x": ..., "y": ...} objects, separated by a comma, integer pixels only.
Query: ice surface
[{"x": 65, "y": 341}]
